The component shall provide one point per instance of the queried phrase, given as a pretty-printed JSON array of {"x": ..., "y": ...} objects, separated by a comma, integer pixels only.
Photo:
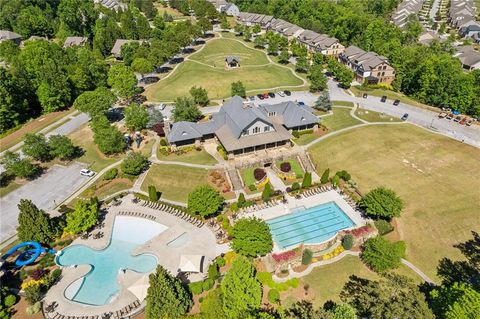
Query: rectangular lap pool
[{"x": 310, "y": 226}]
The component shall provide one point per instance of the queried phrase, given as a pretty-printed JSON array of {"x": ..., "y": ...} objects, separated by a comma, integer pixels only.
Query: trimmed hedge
[
  {"x": 259, "y": 174},
  {"x": 383, "y": 226},
  {"x": 274, "y": 296},
  {"x": 285, "y": 167},
  {"x": 347, "y": 242}
]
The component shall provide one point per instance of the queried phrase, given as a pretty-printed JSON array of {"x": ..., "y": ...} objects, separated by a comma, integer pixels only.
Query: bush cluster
[
  {"x": 307, "y": 257},
  {"x": 285, "y": 167},
  {"x": 273, "y": 296},
  {"x": 347, "y": 241},
  {"x": 111, "y": 174},
  {"x": 343, "y": 175},
  {"x": 383, "y": 226},
  {"x": 266, "y": 279},
  {"x": 259, "y": 174},
  {"x": 221, "y": 150}
]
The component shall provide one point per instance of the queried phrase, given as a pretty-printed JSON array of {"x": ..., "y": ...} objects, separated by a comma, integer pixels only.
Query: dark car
[
  {"x": 271, "y": 94},
  {"x": 405, "y": 117},
  {"x": 396, "y": 102},
  {"x": 287, "y": 93},
  {"x": 251, "y": 98},
  {"x": 384, "y": 98},
  {"x": 260, "y": 96},
  {"x": 365, "y": 95},
  {"x": 265, "y": 95},
  {"x": 301, "y": 103},
  {"x": 150, "y": 79}
]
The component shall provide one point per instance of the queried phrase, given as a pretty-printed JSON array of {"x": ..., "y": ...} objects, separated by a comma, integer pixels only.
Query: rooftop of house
[
  {"x": 73, "y": 41},
  {"x": 232, "y": 58},
  {"x": 9, "y": 35},
  {"x": 368, "y": 60}
]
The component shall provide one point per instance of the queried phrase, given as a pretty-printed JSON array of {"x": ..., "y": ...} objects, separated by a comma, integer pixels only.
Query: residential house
[
  {"x": 244, "y": 128},
  {"x": 10, "y": 36},
  {"x": 75, "y": 41},
  {"x": 470, "y": 29},
  {"x": 404, "y": 10},
  {"x": 231, "y": 10},
  {"x": 117, "y": 47},
  {"x": 321, "y": 43},
  {"x": 427, "y": 37},
  {"x": 116, "y": 5},
  {"x": 219, "y": 4},
  {"x": 460, "y": 12},
  {"x": 368, "y": 66},
  {"x": 469, "y": 57}
]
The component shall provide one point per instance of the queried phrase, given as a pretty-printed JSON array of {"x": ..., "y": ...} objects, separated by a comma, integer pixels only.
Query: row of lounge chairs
[
  {"x": 315, "y": 191},
  {"x": 257, "y": 207},
  {"x": 178, "y": 213},
  {"x": 119, "y": 314},
  {"x": 137, "y": 214}
]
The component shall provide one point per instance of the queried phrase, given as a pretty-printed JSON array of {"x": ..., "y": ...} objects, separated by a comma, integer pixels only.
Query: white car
[
  {"x": 87, "y": 172},
  {"x": 162, "y": 107},
  {"x": 281, "y": 94}
]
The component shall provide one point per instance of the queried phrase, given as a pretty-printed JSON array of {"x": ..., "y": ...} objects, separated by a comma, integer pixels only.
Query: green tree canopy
[
  {"x": 95, "y": 102},
  {"x": 16, "y": 166},
  {"x": 381, "y": 255},
  {"x": 382, "y": 202},
  {"x": 135, "y": 163},
  {"x": 83, "y": 217},
  {"x": 142, "y": 65},
  {"x": 136, "y": 117},
  {"x": 185, "y": 110},
  {"x": 318, "y": 81},
  {"x": 456, "y": 301},
  {"x": 166, "y": 296},
  {"x": 36, "y": 146},
  {"x": 302, "y": 64},
  {"x": 284, "y": 56},
  {"x": 107, "y": 137},
  {"x": 204, "y": 200},
  {"x": 123, "y": 81},
  {"x": 33, "y": 223},
  {"x": 238, "y": 89},
  {"x": 199, "y": 95},
  {"x": 251, "y": 237},
  {"x": 242, "y": 292},
  {"x": 61, "y": 146}
]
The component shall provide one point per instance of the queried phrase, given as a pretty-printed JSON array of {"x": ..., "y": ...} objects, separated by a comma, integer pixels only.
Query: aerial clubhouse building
[{"x": 242, "y": 127}]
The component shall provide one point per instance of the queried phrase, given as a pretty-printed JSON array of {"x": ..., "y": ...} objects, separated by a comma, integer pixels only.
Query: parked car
[
  {"x": 150, "y": 79},
  {"x": 442, "y": 115},
  {"x": 251, "y": 98},
  {"x": 271, "y": 94},
  {"x": 287, "y": 93},
  {"x": 457, "y": 118},
  {"x": 260, "y": 96},
  {"x": 162, "y": 106},
  {"x": 87, "y": 172},
  {"x": 396, "y": 102},
  {"x": 449, "y": 116},
  {"x": 384, "y": 99},
  {"x": 265, "y": 95},
  {"x": 405, "y": 117},
  {"x": 365, "y": 95},
  {"x": 301, "y": 103},
  {"x": 463, "y": 121},
  {"x": 469, "y": 122},
  {"x": 281, "y": 93}
]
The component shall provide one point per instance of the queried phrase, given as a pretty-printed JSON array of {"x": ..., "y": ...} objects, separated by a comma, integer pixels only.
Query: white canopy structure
[
  {"x": 140, "y": 287},
  {"x": 191, "y": 263}
]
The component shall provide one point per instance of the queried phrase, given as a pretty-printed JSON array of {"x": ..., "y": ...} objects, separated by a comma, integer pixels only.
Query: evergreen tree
[
  {"x": 185, "y": 110},
  {"x": 33, "y": 223},
  {"x": 166, "y": 296},
  {"x": 325, "y": 176},
  {"x": 307, "y": 180}
]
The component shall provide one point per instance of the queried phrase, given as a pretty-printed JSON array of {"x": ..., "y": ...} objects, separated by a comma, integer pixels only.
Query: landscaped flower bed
[
  {"x": 285, "y": 167},
  {"x": 285, "y": 256},
  {"x": 259, "y": 174}
]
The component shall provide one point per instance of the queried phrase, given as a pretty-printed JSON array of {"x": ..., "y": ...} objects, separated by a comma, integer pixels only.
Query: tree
[
  {"x": 267, "y": 192},
  {"x": 14, "y": 106},
  {"x": 224, "y": 24},
  {"x": 83, "y": 217},
  {"x": 142, "y": 66},
  {"x": 242, "y": 292},
  {"x": 382, "y": 203},
  {"x": 318, "y": 81},
  {"x": 345, "y": 76},
  {"x": 284, "y": 56},
  {"x": 457, "y": 301},
  {"x": 152, "y": 193},
  {"x": 95, "y": 102},
  {"x": 134, "y": 163},
  {"x": 380, "y": 255},
  {"x": 344, "y": 311},
  {"x": 62, "y": 147},
  {"x": 247, "y": 35},
  {"x": 123, "y": 81},
  {"x": 239, "y": 28},
  {"x": 325, "y": 176},
  {"x": 166, "y": 296},
  {"x": 241, "y": 200},
  {"x": 259, "y": 42},
  {"x": 302, "y": 64},
  {"x": 307, "y": 180},
  {"x": 205, "y": 24},
  {"x": 251, "y": 237},
  {"x": 33, "y": 223},
  {"x": 136, "y": 117},
  {"x": 87, "y": 71},
  {"x": 204, "y": 200},
  {"x": 323, "y": 102},
  {"x": 256, "y": 29},
  {"x": 16, "y": 166},
  {"x": 238, "y": 89},
  {"x": 393, "y": 296},
  {"x": 155, "y": 116},
  {"x": 336, "y": 180},
  {"x": 107, "y": 137},
  {"x": 36, "y": 146},
  {"x": 199, "y": 95},
  {"x": 272, "y": 47},
  {"x": 185, "y": 110},
  {"x": 304, "y": 310}
]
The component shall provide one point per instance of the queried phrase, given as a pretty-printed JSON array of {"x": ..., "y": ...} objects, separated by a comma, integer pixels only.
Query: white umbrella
[
  {"x": 140, "y": 287},
  {"x": 190, "y": 263}
]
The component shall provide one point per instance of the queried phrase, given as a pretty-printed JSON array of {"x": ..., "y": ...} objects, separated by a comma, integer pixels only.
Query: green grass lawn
[
  {"x": 341, "y": 118},
  {"x": 295, "y": 165},
  {"x": 343, "y": 103},
  {"x": 9, "y": 188},
  {"x": 175, "y": 182},
  {"x": 436, "y": 176},
  {"x": 327, "y": 281},
  {"x": 194, "y": 157},
  {"x": 372, "y": 116},
  {"x": 247, "y": 176},
  {"x": 215, "y": 52},
  {"x": 218, "y": 80}
]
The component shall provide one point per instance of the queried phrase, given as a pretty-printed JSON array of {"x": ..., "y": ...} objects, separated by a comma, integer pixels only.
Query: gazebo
[
  {"x": 191, "y": 263},
  {"x": 232, "y": 61}
]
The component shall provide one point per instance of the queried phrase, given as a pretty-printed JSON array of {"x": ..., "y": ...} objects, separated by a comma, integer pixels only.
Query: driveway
[
  {"x": 46, "y": 192},
  {"x": 418, "y": 116}
]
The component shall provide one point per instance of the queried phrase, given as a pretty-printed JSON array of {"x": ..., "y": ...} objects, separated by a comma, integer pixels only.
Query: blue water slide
[{"x": 30, "y": 255}]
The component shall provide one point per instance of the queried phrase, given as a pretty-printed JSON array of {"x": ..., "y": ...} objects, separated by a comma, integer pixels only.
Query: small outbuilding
[{"x": 232, "y": 61}]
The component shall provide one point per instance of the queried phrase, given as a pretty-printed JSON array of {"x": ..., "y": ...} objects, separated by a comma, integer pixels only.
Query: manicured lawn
[
  {"x": 343, "y": 103},
  {"x": 9, "y": 188},
  {"x": 175, "y": 182},
  {"x": 215, "y": 52},
  {"x": 340, "y": 119},
  {"x": 372, "y": 116},
  {"x": 195, "y": 157},
  {"x": 247, "y": 176},
  {"x": 294, "y": 164},
  {"x": 328, "y": 281},
  {"x": 307, "y": 138},
  {"x": 437, "y": 178}
]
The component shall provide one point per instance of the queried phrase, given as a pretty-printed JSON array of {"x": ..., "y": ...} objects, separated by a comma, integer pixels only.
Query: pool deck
[{"x": 199, "y": 241}]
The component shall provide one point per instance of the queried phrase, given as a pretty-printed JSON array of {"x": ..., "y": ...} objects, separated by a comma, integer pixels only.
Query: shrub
[
  {"x": 285, "y": 256},
  {"x": 37, "y": 274},
  {"x": 213, "y": 271},
  {"x": 152, "y": 193},
  {"x": 295, "y": 186},
  {"x": 381, "y": 255},
  {"x": 33, "y": 293},
  {"x": 273, "y": 296},
  {"x": 325, "y": 176},
  {"x": 34, "y": 308},
  {"x": 267, "y": 192},
  {"x": 10, "y": 300},
  {"x": 296, "y": 134},
  {"x": 252, "y": 188},
  {"x": 241, "y": 200},
  {"x": 234, "y": 207},
  {"x": 111, "y": 174},
  {"x": 307, "y": 180},
  {"x": 55, "y": 275},
  {"x": 221, "y": 150},
  {"x": 134, "y": 164},
  {"x": 163, "y": 142},
  {"x": 259, "y": 174},
  {"x": 221, "y": 261},
  {"x": 383, "y": 226},
  {"x": 344, "y": 175},
  {"x": 382, "y": 202},
  {"x": 307, "y": 257},
  {"x": 347, "y": 242},
  {"x": 335, "y": 180},
  {"x": 285, "y": 167},
  {"x": 208, "y": 284},
  {"x": 196, "y": 287}
]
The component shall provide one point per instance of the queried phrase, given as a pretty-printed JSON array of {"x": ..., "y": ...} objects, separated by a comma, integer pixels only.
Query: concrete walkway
[{"x": 275, "y": 180}]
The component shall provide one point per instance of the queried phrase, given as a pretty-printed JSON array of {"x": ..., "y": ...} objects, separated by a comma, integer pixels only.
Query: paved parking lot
[{"x": 46, "y": 192}]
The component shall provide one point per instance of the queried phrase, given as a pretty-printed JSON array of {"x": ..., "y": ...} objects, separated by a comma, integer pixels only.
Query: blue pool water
[
  {"x": 309, "y": 226},
  {"x": 100, "y": 284}
]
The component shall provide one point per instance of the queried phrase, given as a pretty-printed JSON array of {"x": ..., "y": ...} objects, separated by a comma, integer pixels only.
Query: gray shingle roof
[
  {"x": 9, "y": 35},
  {"x": 182, "y": 131},
  {"x": 293, "y": 115}
]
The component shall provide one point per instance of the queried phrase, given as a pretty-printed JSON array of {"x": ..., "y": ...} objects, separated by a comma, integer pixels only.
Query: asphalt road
[
  {"x": 46, "y": 192},
  {"x": 418, "y": 116}
]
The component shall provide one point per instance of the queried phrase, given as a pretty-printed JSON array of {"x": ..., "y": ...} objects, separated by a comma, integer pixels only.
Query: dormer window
[
  {"x": 272, "y": 113},
  {"x": 184, "y": 133},
  {"x": 303, "y": 118},
  {"x": 266, "y": 128},
  {"x": 256, "y": 130}
]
